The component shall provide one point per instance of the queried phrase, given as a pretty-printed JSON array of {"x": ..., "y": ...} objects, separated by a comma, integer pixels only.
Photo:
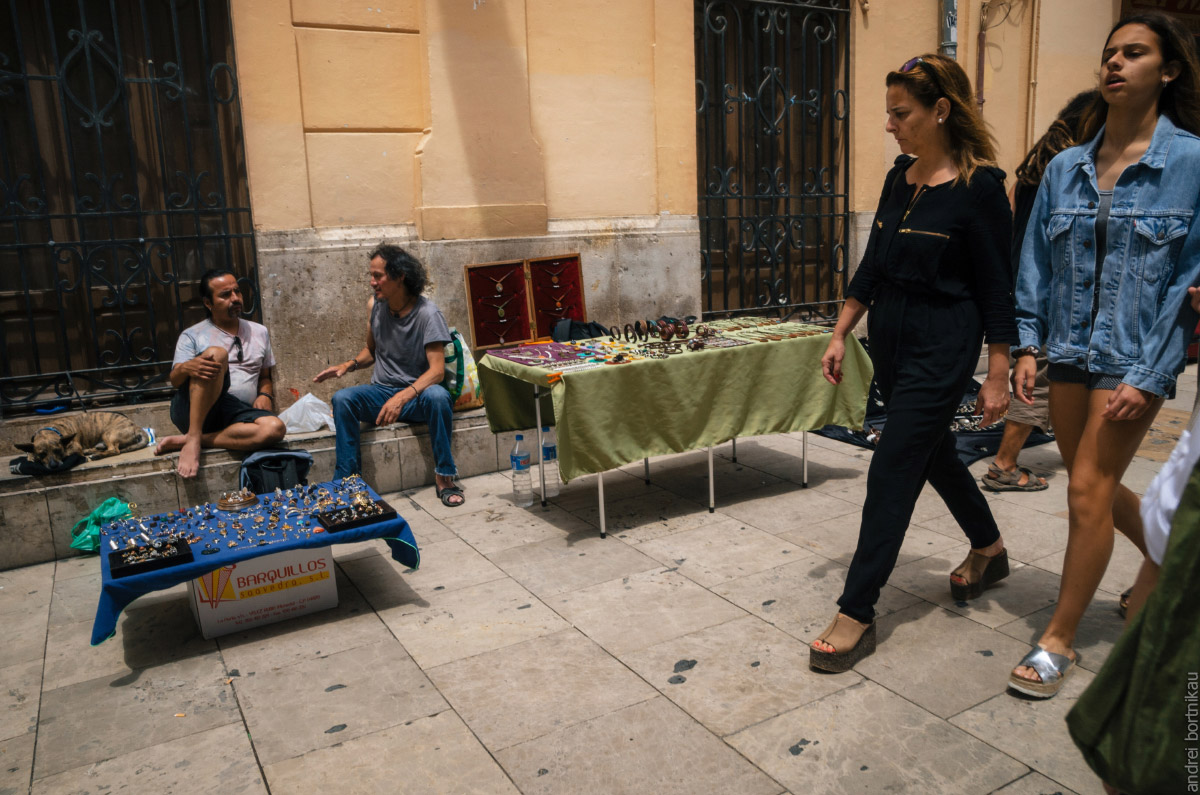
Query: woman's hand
[
  {"x": 992, "y": 401},
  {"x": 1024, "y": 374},
  {"x": 831, "y": 362},
  {"x": 1127, "y": 403}
]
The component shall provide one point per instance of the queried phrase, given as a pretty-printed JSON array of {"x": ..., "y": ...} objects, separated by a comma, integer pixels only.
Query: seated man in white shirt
[{"x": 222, "y": 370}]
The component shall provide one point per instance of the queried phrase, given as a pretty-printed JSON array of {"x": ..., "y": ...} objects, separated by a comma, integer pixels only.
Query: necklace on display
[
  {"x": 499, "y": 282},
  {"x": 554, "y": 274},
  {"x": 500, "y": 306},
  {"x": 558, "y": 299},
  {"x": 503, "y": 328}
]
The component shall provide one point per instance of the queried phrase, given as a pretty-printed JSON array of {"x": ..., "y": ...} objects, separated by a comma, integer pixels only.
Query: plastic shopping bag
[
  {"x": 85, "y": 535},
  {"x": 309, "y": 413},
  {"x": 462, "y": 375}
]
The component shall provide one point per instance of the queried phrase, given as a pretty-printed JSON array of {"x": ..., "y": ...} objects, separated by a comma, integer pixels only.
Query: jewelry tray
[
  {"x": 519, "y": 301},
  {"x": 117, "y": 569},
  {"x": 333, "y": 527}
]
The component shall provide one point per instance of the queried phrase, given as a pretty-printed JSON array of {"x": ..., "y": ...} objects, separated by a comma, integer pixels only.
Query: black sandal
[
  {"x": 978, "y": 572},
  {"x": 450, "y": 491},
  {"x": 1123, "y": 603}
]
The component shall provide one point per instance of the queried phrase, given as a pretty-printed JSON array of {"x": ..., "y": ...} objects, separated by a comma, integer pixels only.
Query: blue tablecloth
[{"x": 116, "y": 595}]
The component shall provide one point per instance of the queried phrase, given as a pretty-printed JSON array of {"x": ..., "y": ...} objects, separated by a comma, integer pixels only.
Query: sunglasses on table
[{"x": 928, "y": 70}]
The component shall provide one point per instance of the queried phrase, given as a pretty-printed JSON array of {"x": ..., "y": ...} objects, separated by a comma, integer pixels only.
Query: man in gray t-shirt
[
  {"x": 406, "y": 338},
  {"x": 222, "y": 371}
]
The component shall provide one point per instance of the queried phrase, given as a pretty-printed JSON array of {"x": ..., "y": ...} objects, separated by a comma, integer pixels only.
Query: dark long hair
[
  {"x": 1180, "y": 99},
  {"x": 1062, "y": 134},
  {"x": 936, "y": 76},
  {"x": 401, "y": 266}
]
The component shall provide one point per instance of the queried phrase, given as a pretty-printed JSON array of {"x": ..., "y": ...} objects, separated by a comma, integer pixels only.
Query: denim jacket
[{"x": 1145, "y": 322}]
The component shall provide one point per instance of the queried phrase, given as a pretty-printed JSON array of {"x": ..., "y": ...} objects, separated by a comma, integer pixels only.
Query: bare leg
[
  {"x": 201, "y": 395},
  {"x": 1096, "y": 451},
  {"x": 242, "y": 436}
]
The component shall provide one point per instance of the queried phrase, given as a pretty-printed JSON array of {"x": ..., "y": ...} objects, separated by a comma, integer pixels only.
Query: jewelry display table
[
  {"x": 200, "y": 538},
  {"x": 612, "y": 415}
]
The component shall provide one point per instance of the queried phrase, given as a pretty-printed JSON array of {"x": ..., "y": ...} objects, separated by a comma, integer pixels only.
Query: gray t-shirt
[
  {"x": 256, "y": 353},
  {"x": 400, "y": 342}
]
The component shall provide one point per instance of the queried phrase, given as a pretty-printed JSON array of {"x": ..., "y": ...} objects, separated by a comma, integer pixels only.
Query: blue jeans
[{"x": 356, "y": 404}]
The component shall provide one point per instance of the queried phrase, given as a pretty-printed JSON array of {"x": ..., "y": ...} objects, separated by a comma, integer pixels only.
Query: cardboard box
[{"x": 263, "y": 590}]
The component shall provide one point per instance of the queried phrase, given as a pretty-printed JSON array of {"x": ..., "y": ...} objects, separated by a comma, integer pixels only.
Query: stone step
[{"x": 37, "y": 514}]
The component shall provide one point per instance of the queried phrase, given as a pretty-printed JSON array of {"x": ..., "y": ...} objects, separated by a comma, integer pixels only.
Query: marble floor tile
[
  {"x": 779, "y": 509},
  {"x": 104, "y": 717},
  {"x": 637, "y": 519},
  {"x": 426, "y": 528},
  {"x": 445, "y": 566},
  {"x": 801, "y": 598},
  {"x": 837, "y": 539},
  {"x": 688, "y": 477},
  {"x": 75, "y": 600},
  {"x": 723, "y": 550},
  {"x": 350, "y": 625},
  {"x": 154, "y": 630},
  {"x": 21, "y": 589},
  {"x": 77, "y": 567},
  {"x": 619, "y": 485},
  {"x": 493, "y": 490},
  {"x": 1098, "y": 631},
  {"x": 735, "y": 674},
  {"x": 1035, "y": 732},
  {"x": 24, "y": 634},
  {"x": 1028, "y": 534},
  {"x": 783, "y": 457},
  {"x": 867, "y": 739},
  {"x": 648, "y": 747},
  {"x": 940, "y": 660},
  {"x": 216, "y": 761},
  {"x": 1026, "y": 590},
  {"x": 16, "y": 763},
  {"x": 431, "y": 755},
  {"x": 470, "y": 621},
  {"x": 929, "y": 505},
  {"x": 1034, "y": 784},
  {"x": 568, "y": 563},
  {"x": 494, "y": 529},
  {"x": 530, "y": 689},
  {"x": 642, "y": 609},
  {"x": 22, "y": 690},
  {"x": 328, "y": 700}
]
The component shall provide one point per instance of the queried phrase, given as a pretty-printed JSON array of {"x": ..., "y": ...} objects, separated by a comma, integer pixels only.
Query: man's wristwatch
[{"x": 1029, "y": 350}]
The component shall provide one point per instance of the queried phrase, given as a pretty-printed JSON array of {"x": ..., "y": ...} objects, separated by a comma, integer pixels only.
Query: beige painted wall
[{"x": 468, "y": 120}]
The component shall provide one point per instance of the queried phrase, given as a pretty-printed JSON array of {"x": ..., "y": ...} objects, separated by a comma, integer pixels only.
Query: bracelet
[
  {"x": 267, "y": 395},
  {"x": 1031, "y": 350},
  {"x": 354, "y": 362}
]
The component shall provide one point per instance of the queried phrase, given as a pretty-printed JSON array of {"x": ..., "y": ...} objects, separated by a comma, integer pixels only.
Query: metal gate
[
  {"x": 122, "y": 179},
  {"x": 772, "y": 107}
]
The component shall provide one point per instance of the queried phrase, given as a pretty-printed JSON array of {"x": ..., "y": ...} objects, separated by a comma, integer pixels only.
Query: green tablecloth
[{"x": 614, "y": 415}]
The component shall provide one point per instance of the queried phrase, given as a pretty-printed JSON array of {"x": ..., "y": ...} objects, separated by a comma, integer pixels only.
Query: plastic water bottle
[
  {"x": 550, "y": 462},
  {"x": 522, "y": 480}
]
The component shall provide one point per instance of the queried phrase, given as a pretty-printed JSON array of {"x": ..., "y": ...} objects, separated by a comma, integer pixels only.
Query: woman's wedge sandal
[
  {"x": 978, "y": 572},
  {"x": 851, "y": 642},
  {"x": 1053, "y": 669}
]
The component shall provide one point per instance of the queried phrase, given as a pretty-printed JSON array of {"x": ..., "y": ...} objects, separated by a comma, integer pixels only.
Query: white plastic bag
[{"x": 309, "y": 413}]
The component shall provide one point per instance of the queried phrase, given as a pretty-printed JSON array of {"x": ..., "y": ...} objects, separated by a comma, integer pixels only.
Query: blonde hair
[{"x": 932, "y": 77}]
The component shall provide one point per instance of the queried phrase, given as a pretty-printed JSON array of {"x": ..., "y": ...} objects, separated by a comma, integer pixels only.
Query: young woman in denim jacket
[{"x": 1113, "y": 245}]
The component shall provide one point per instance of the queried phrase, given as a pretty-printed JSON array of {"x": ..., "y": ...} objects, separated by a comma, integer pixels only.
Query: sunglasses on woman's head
[{"x": 928, "y": 69}]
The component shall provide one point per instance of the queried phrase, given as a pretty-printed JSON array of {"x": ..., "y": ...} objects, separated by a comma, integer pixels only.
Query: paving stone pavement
[{"x": 527, "y": 655}]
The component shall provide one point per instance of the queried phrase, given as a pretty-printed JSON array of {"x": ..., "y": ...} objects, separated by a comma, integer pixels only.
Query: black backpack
[
  {"x": 268, "y": 470},
  {"x": 568, "y": 329}
]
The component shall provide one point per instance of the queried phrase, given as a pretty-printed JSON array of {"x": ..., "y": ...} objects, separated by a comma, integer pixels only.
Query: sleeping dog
[{"x": 96, "y": 434}]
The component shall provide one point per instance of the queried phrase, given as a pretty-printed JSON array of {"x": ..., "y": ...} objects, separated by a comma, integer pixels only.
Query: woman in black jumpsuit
[{"x": 936, "y": 278}]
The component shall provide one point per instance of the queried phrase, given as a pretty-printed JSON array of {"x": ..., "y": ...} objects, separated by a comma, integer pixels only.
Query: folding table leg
[
  {"x": 646, "y": 462},
  {"x": 733, "y": 442},
  {"x": 804, "y": 456},
  {"x": 712, "y": 502},
  {"x": 600, "y": 492},
  {"x": 537, "y": 412}
]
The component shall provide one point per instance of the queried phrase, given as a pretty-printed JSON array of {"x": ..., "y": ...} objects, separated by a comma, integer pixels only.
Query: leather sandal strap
[
  {"x": 971, "y": 570},
  {"x": 844, "y": 633}
]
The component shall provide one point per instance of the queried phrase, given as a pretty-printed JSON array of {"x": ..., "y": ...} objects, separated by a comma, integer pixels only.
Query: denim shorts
[{"x": 1070, "y": 374}]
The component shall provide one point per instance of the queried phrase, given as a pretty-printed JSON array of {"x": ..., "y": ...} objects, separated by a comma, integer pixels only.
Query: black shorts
[
  {"x": 225, "y": 412},
  {"x": 1070, "y": 374}
]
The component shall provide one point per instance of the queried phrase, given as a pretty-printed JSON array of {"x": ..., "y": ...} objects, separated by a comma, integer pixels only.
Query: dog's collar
[{"x": 49, "y": 428}]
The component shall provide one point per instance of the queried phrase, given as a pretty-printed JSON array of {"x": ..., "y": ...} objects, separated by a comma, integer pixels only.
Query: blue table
[{"x": 116, "y": 595}]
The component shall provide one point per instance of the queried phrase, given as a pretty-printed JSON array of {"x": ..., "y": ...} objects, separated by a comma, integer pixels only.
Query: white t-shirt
[
  {"x": 256, "y": 353},
  {"x": 1166, "y": 490}
]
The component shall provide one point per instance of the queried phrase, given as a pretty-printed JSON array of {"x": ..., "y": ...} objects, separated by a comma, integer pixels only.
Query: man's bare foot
[
  {"x": 189, "y": 458},
  {"x": 170, "y": 444},
  {"x": 1052, "y": 645}
]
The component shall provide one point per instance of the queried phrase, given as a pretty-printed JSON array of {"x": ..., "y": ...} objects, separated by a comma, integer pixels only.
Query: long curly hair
[
  {"x": 1180, "y": 99},
  {"x": 934, "y": 76},
  {"x": 1063, "y": 133}
]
